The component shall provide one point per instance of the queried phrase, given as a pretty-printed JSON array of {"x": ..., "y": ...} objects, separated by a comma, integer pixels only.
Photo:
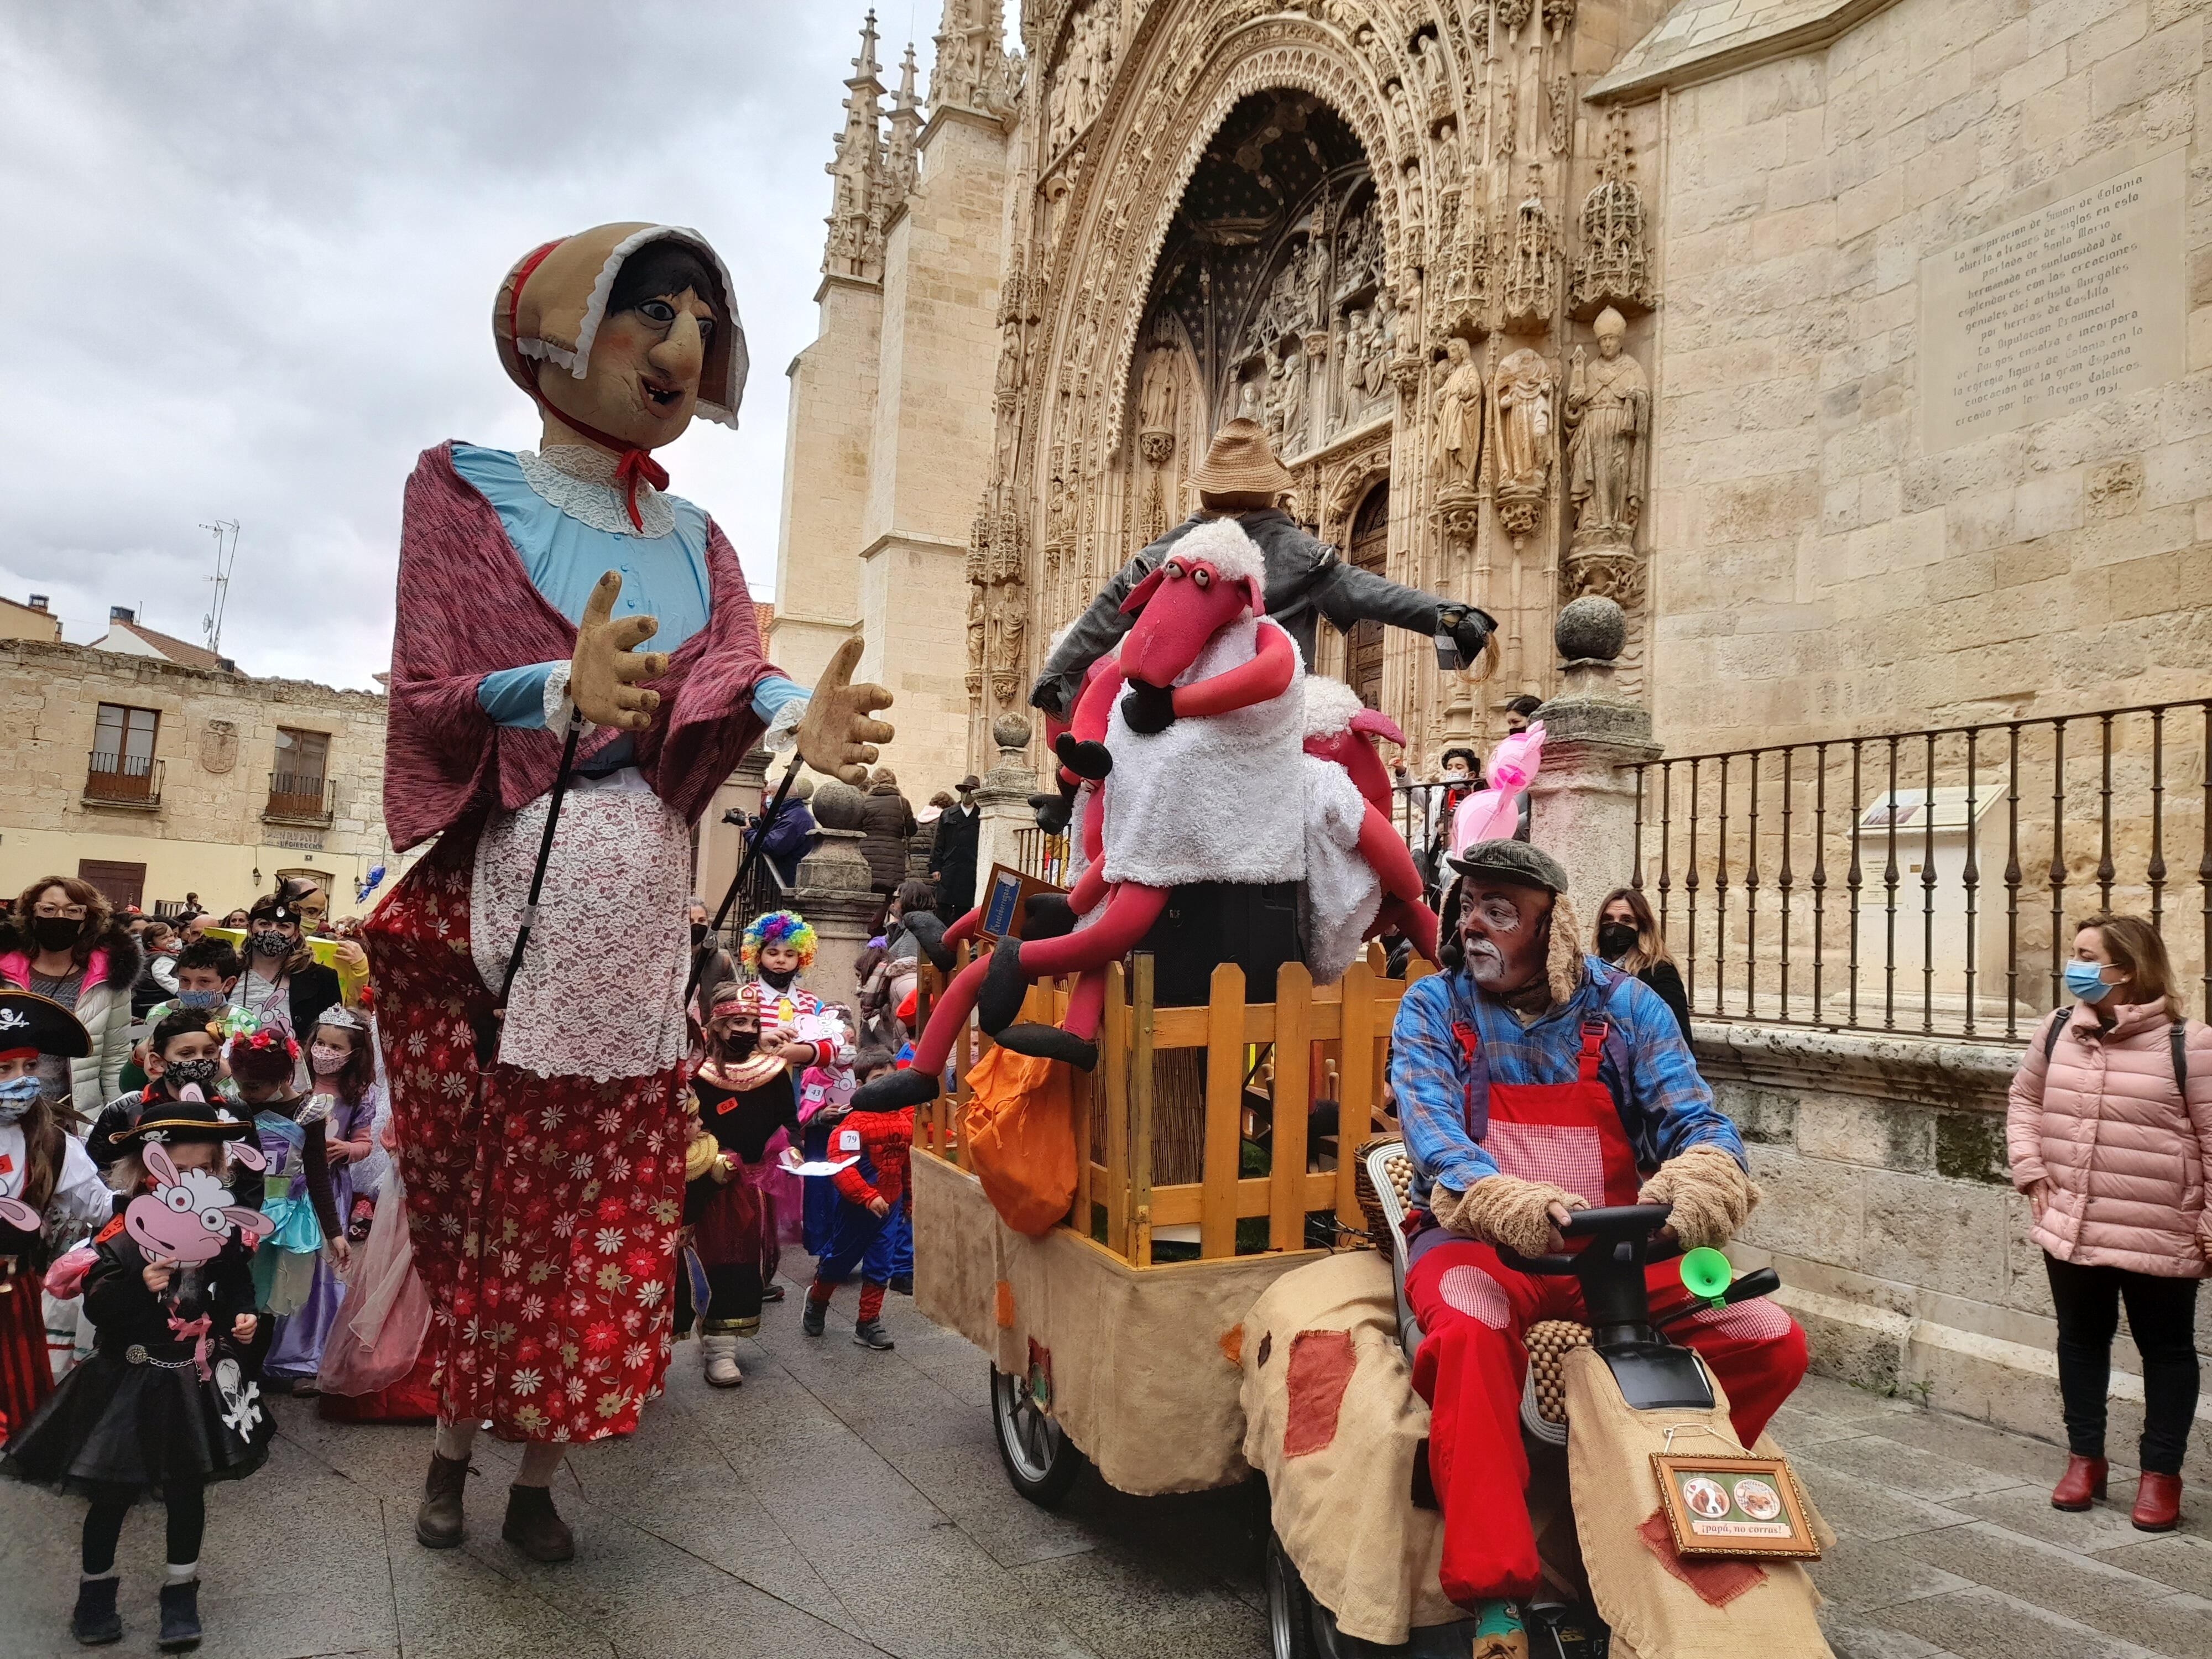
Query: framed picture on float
[
  {"x": 1740, "y": 1507},
  {"x": 1006, "y": 901}
]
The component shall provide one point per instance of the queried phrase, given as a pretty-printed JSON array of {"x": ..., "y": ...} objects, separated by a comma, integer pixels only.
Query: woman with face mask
[
  {"x": 61, "y": 941},
  {"x": 2109, "y": 1125},
  {"x": 50, "y": 1191},
  {"x": 283, "y": 982},
  {"x": 1628, "y": 937}
]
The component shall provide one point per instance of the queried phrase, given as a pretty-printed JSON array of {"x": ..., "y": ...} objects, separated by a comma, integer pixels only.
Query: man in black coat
[
  {"x": 952, "y": 853},
  {"x": 1306, "y": 579}
]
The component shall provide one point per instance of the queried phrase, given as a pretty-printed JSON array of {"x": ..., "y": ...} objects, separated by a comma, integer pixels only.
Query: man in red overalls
[{"x": 1533, "y": 1080}]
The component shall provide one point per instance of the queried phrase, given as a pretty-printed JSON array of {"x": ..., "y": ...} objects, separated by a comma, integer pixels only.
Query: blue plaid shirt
[{"x": 1665, "y": 1106}]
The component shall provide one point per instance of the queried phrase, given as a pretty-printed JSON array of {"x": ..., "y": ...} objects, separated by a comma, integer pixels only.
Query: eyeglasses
[{"x": 70, "y": 912}]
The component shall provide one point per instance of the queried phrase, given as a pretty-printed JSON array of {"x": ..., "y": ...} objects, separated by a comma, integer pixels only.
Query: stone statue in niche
[
  {"x": 1459, "y": 420},
  {"x": 1352, "y": 385},
  {"x": 1249, "y": 398},
  {"x": 1509, "y": 122},
  {"x": 1524, "y": 388},
  {"x": 1156, "y": 404},
  {"x": 1608, "y": 415},
  {"x": 976, "y": 631}
]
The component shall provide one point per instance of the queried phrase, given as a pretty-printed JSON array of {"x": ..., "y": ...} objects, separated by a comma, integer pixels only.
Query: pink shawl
[{"x": 466, "y": 608}]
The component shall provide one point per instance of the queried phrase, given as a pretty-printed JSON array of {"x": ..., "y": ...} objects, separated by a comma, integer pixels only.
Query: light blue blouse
[{"x": 663, "y": 577}]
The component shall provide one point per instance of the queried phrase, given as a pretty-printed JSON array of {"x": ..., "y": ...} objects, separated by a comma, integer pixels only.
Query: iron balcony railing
[
  {"x": 1925, "y": 882},
  {"x": 116, "y": 780},
  {"x": 300, "y": 798}
]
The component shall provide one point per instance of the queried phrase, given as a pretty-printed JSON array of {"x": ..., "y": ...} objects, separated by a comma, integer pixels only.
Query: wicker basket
[{"x": 1371, "y": 1203}]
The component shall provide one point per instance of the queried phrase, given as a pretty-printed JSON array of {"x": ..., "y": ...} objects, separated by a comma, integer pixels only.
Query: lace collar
[{"x": 578, "y": 480}]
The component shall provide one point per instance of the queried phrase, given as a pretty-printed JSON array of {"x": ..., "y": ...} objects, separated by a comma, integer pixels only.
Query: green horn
[{"x": 1706, "y": 1274}]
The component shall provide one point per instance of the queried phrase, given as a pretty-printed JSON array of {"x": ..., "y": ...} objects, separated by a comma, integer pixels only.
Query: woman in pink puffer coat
[{"x": 2110, "y": 1131}]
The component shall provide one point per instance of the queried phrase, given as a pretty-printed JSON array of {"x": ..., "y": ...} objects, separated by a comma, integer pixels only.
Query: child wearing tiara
[
  {"x": 293, "y": 1131},
  {"x": 342, "y": 1102}
]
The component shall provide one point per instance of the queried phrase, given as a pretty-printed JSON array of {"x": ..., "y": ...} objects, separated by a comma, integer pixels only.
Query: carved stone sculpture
[
  {"x": 1458, "y": 421},
  {"x": 1608, "y": 413},
  {"x": 1524, "y": 388},
  {"x": 1616, "y": 266},
  {"x": 1527, "y": 288}
]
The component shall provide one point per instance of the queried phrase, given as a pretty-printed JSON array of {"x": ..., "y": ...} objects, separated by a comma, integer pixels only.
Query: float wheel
[{"x": 1042, "y": 1461}]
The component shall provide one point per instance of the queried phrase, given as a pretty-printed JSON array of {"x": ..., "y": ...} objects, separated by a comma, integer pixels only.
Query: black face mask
[
  {"x": 780, "y": 981},
  {"x": 56, "y": 933},
  {"x": 180, "y": 1074},
  {"x": 1615, "y": 939},
  {"x": 271, "y": 942},
  {"x": 738, "y": 1045},
  {"x": 699, "y": 932}
]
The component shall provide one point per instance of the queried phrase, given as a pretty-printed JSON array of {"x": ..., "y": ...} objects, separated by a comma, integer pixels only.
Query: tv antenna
[{"x": 223, "y": 561}]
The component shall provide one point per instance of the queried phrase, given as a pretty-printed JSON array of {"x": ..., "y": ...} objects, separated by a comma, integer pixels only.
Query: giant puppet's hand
[
  {"x": 836, "y": 736},
  {"x": 604, "y": 674}
]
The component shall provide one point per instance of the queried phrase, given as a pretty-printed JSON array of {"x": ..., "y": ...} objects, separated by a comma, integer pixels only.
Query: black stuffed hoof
[
  {"x": 1046, "y": 915},
  {"x": 1053, "y": 812},
  {"x": 928, "y": 930},
  {"x": 1050, "y": 1042},
  {"x": 893, "y": 1089},
  {"x": 1085, "y": 760},
  {"x": 999, "y": 1002}
]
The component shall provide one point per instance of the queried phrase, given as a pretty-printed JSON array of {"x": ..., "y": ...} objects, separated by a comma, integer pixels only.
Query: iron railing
[
  {"x": 300, "y": 798},
  {"x": 116, "y": 780},
  {"x": 1922, "y": 882}
]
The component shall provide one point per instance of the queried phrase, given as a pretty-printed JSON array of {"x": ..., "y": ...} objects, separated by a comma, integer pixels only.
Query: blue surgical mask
[
  {"x": 2086, "y": 980},
  {"x": 17, "y": 1095},
  {"x": 199, "y": 1000}
]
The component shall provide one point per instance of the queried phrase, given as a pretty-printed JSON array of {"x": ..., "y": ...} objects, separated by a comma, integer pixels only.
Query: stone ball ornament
[
  {"x": 1591, "y": 628},
  {"x": 836, "y": 804},
  {"x": 1010, "y": 732}
]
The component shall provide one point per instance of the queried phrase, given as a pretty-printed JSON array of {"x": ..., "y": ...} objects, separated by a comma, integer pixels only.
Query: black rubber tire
[
  {"x": 1290, "y": 1606},
  {"x": 1041, "y": 1462}
]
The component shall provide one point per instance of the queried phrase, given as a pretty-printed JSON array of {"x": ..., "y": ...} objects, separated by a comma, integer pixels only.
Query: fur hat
[
  {"x": 1222, "y": 543},
  {"x": 1241, "y": 462}
]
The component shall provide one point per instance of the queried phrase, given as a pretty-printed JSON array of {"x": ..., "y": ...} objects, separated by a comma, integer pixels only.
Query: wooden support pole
[
  {"x": 1140, "y": 1114},
  {"x": 1357, "y": 1088},
  {"x": 1115, "y": 1059},
  {"x": 1286, "y": 1223},
  {"x": 1224, "y": 1101}
]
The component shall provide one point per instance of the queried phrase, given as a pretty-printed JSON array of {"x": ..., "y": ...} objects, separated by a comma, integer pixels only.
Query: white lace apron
[{"x": 600, "y": 994}]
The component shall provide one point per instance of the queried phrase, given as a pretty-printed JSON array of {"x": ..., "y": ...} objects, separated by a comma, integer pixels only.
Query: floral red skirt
[{"x": 544, "y": 1212}]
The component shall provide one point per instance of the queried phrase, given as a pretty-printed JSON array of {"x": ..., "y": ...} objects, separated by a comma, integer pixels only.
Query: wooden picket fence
[{"x": 1181, "y": 1075}]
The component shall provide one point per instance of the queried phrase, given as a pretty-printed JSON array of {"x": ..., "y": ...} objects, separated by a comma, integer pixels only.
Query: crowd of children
[{"x": 235, "y": 1222}]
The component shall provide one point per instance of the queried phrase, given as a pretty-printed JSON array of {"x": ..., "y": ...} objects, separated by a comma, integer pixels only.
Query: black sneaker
[
  {"x": 816, "y": 1319},
  {"x": 773, "y": 1293},
  {"x": 903, "y": 1284},
  {"x": 180, "y": 1617},
  {"x": 873, "y": 1335},
  {"x": 96, "y": 1623}
]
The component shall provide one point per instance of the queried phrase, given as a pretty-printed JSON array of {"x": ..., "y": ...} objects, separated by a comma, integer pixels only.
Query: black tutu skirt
[{"x": 116, "y": 1429}]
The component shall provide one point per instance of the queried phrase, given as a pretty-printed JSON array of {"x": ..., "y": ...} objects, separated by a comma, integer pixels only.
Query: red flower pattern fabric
[{"x": 544, "y": 1212}]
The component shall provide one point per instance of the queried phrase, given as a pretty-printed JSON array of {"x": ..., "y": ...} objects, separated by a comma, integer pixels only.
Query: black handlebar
[{"x": 1628, "y": 1221}]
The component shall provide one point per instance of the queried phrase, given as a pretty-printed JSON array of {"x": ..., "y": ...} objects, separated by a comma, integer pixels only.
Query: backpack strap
[
  {"x": 2176, "y": 1036},
  {"x": 2058, "y": 1019}
]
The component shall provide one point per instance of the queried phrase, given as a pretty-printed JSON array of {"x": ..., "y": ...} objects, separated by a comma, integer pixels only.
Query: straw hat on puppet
[{"x": 1241, "y": 463}]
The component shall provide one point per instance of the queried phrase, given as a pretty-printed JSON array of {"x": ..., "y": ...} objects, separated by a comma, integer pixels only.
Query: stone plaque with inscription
[{"x": 2066, "y": 305}]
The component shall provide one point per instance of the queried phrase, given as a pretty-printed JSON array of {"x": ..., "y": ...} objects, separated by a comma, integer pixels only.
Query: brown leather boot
[
  {"x": 534, "y": 1528},
  {"x": 438, "y": 1522},
  {"x": 2084, "y": 1481},
  {"x": 2158, "y": 1503}
]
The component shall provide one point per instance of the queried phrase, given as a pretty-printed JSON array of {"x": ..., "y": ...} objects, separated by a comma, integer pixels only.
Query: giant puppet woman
[{"x": 546, "y": 1186}]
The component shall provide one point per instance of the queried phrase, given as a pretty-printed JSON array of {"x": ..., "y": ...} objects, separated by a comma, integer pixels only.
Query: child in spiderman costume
[{"x": 870, "y": 1191}]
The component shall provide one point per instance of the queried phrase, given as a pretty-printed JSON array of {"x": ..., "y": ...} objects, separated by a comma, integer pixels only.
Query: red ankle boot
[
  {"x": 2084, "y": 1481},
  {"x": 2158, "y": 1503}
]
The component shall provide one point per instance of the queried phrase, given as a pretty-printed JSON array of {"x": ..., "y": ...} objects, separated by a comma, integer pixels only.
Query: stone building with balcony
[{"x": 153, "y": 777}]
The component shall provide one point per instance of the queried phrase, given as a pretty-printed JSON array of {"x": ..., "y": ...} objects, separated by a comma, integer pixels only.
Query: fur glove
[
  {"x": 1711, "y": 1195},
  {"x": 1504, "y": 1209}
]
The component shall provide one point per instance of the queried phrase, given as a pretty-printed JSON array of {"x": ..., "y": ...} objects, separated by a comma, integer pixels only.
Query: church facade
[{"x": 1857, "y": 347}]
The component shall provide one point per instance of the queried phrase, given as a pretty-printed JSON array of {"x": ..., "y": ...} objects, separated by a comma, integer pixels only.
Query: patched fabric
[
  {"x": 1322, "y": 1363},
  {"x": 1717, "y": 1582},
  {"x": 1476, "y": 1294},
  {"x": 1565, "y": 1155}
]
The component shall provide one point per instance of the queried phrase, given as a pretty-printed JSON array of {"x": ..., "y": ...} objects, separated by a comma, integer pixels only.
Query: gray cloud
[{"x": 253, "y": 248}]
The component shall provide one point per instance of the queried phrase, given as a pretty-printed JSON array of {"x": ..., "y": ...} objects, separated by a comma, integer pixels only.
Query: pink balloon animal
[
  {"x": 1493, "y": 814},
  {"x": 190, "y": 1213}
]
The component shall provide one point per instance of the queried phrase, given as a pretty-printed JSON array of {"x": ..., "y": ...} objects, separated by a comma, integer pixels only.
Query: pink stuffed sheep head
[{"x": 189, "y": 1213}]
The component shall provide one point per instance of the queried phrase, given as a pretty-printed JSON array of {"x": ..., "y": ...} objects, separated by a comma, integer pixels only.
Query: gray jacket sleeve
[{"x": 1346, "y": 594}]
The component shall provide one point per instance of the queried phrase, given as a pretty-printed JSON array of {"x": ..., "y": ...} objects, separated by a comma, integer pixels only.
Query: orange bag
[{"x": 1020, "y": 1138}]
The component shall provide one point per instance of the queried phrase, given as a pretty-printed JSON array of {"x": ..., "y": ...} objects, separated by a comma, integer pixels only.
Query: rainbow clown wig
[{"x": 779, "y": 927}]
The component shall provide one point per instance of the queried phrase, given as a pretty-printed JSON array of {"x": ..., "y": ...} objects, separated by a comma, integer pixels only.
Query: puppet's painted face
[
  {"x": 1505, "y": 934},
  {"x": 642, "y": 383}
]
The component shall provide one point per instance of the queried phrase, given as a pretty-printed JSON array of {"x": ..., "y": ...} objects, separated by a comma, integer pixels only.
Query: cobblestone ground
[{"x": 846, "y": 1502}]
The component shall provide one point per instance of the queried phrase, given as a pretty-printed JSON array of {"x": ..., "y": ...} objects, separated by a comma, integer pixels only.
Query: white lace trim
[
  {"x": 783, "y": 730},
  {"x": 580, "y": 482},
  {"x": 558, "y": 706}
]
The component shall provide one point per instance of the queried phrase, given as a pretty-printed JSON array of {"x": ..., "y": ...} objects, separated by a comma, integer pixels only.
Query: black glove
[
  {"x": 1046, "y": 695},
  {"x": 1471, "y": 633},
  {"x": 1149, "y": 709},
  {"x": 1087, "y": 760},
  {"x": 1053, "y": 811}
]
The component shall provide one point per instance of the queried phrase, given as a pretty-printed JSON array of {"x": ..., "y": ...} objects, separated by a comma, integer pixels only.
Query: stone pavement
[{"x": 844, "y": 1503}]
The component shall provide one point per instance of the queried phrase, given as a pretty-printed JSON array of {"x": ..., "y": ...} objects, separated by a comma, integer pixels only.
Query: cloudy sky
[{"x": 253, "y": 249}]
